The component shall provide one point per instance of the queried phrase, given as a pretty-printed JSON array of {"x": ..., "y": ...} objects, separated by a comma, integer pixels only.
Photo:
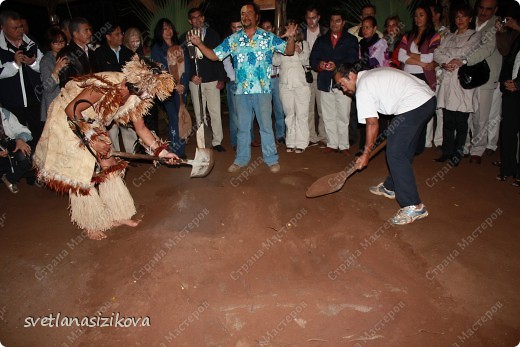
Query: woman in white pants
[{"x": 294, "y": 94}]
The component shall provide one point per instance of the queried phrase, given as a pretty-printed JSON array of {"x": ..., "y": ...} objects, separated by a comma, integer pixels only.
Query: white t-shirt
[
  {"x": 312, "y": 36},
  {"x": 389, "y": 91}
]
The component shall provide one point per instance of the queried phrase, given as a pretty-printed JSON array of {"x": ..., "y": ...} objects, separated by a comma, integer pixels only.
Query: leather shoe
[
  {"x": 255, "y": 143},
  {"x": 475, "y": 159},
  {"x": 497, "y": 163},
  {"x": 441, "y": 159},
  {"x": 219, "y": 148},
  {"x": 489, "y": 152},
  {"x": 345, "y": 152}
]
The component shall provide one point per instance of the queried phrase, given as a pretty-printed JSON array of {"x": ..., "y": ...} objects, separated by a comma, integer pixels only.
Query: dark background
[{"x": 218, "y": 12}]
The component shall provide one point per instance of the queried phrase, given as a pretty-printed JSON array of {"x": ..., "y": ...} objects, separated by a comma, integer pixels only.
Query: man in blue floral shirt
[{"x": 252, "y": 51}]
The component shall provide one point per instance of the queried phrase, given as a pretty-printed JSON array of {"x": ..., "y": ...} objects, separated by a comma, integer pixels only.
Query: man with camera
[
  {"x": 19, "y": 72},
  {"x": 14, "y": 151}
]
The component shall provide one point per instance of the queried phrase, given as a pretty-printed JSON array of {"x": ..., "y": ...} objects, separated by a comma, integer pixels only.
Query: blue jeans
[
  {"x": 233, "y": 121},
  {"x": 260, "y": 104},
  {"x": 403, "y": 134},
  {"x": 172, "y": 105},
  {"x": 279, "y": 116}
]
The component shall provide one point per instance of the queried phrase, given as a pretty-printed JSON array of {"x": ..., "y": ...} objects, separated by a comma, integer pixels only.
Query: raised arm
[{"x": 208, "y": 52}]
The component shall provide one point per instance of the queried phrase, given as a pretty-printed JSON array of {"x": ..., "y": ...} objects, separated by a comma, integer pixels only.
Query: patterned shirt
[{"x": 252, "y": 59}]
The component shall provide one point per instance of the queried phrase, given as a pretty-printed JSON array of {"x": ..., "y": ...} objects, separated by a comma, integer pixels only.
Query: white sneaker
[{"x": 408, "y": 214}]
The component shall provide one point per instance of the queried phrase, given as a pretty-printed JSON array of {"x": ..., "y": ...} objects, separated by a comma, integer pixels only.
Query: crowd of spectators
[{"x": 305, "y": 107}]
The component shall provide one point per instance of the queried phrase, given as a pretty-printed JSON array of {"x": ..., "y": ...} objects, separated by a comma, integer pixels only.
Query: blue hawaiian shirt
[{"x": 252, "y": 59}]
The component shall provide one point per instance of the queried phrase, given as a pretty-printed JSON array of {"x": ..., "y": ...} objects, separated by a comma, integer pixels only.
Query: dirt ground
[{"x": 246, "y": 259}]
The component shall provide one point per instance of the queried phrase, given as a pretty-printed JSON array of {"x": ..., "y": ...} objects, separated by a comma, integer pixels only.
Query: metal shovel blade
[
  {"x": 333, "y": 182},
  {"x": 203, "y": 162}
]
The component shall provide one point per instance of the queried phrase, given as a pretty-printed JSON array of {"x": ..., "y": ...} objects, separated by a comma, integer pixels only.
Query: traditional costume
[{"x": 65, "y": 162}]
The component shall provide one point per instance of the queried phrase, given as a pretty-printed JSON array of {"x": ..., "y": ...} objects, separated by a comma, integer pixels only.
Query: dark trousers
[
  {"x": 510, "y": 128},
  {"x": 422, "y": 136},
  {"x": 172, "y": 106},
  {"x": 353, "y": 125},
  {"x": 455, "y": 131},
  {"x": 403, "y": 134},
  {"x": 16, "y": 169}
]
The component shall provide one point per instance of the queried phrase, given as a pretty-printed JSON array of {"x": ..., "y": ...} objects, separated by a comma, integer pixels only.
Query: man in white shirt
[
  {"x": 392, "y": 92},
  {"x": 310, "y": 34},
  {"x": 485, "y": 121}
]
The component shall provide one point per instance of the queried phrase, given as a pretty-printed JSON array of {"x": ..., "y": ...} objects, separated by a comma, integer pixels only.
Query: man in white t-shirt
[{"x": 392, "y": 92}]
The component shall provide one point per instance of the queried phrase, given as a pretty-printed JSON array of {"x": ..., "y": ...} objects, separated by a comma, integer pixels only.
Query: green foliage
[{"x": 174, "y": 10}]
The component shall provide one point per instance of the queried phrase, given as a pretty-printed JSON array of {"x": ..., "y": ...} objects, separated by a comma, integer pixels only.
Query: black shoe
[
  {"x": 497, "y": 163},
  {"x": 489, "y": 152},
  {"x": 441, "y": 159},
  {"x": 455, "y": 160},
  {"x": 219, "y": 148},
  {"x": 475, "y": 159},
  {"x": 281, "y": 140}
]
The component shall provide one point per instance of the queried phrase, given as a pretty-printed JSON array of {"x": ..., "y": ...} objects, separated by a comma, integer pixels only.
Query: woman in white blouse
[{"x": 294, "y": 94}]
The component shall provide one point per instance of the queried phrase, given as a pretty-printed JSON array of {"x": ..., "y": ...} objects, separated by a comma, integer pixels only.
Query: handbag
[
  {"x": 473, "y": 76},
  {"x": 308, "y": 75}
]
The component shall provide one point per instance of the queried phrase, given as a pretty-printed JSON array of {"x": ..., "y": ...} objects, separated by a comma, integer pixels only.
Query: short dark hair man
[
  {"x": 80, "y": 56},
  {"x": 329, "y": 51},
  {"x": 209, "y": 79},
  {"x": 253, "y": 92},
  {"x": 393, "y": 92},
  {"x": 112, "y": 54},
  {"x": 311, "y": 32},
  {"x": 19, "y": 72},
  {"x": 367, "y": 10}
]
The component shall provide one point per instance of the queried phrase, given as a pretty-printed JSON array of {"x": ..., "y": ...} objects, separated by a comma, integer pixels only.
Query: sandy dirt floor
[{"x": 246, "y": 259}]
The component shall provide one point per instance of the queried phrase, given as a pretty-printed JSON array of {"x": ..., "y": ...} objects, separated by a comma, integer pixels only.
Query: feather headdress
[{"x": 148, "y": 80}]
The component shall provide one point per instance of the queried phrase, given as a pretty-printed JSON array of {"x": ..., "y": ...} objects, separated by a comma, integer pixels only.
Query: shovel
[
  {"x": 202, "y": 164},
  {"x": 334, "y": 182},
  {"x": 201, "y": 139}
]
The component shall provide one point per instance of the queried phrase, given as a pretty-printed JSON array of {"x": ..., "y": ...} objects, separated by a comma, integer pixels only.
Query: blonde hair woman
[{"x": 133, "y": 40}]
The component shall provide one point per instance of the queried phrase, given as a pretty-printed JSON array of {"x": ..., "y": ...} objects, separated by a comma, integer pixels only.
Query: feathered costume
[{"x": 65, "y": 164}]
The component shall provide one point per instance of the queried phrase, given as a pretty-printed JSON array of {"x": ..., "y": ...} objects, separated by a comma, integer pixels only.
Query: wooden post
[{"x": 280, "y": 16}]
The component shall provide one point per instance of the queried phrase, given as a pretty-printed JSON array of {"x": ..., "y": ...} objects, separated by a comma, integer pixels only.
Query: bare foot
[
  {"x": 96, "y": 235},
  {"x": 129, "y": 222}
]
